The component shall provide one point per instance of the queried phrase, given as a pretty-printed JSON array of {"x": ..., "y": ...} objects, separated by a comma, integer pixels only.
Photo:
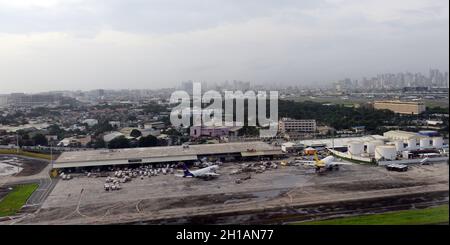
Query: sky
[{"x": 147, "y": 44}]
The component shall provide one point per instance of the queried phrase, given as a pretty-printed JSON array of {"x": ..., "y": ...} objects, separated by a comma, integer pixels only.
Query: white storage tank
[
  {"x": 355, "y": 148},
  {"x": 438, "y": 142},
  {"x": 370, "y": 147},
  {"x": 405, "y": 155},
  {"x": 412, "y": 144},
  {"x": 425, "y": 142},
  {"x": 388, "y": 152},
  {"x": 399, "y": 145},
  {"x": 372, "y": 144}
]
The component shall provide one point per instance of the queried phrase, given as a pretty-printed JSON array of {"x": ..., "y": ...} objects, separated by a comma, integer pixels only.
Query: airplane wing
[
  {"x": 312, "y": 164},
  {"x": 424, "y": 161},
  {"x": 183, "y": 176},
  {"x": 340, "y": 163},
  {"x": 307, "y": 163},
  {"x": 207, "y": 176},
  {"x": 210, "y": 174}
]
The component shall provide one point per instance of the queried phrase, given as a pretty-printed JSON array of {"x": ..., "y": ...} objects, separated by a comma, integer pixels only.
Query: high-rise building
[
  {"x": 3, "y": 100},
  {"x": 21, "y": 99},
  {"x": 187, "y": 86}
]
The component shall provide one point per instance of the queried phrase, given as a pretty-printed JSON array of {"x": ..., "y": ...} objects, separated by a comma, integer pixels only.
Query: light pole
[
  {"x": 332, "y": 140},
  {"x": 51, "y": 155},
  {"x": 17, "y": 142}
]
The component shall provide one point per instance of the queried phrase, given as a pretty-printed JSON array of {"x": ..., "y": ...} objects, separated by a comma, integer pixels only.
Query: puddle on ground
[{"x": 9, "y": 169}]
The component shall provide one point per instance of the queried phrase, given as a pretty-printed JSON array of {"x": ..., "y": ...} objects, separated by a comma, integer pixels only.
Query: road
[
  {"x": 46, "y": 184},
  {"x": 40, "y": 194},
  {"x": 43, "y": 174}
]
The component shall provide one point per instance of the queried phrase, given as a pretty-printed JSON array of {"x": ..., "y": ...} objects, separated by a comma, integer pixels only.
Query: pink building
[{"x": 198, "y": 131}]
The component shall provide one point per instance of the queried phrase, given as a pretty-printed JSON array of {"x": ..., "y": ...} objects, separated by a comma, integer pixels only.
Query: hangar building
[{"x": 166, "y": 154}]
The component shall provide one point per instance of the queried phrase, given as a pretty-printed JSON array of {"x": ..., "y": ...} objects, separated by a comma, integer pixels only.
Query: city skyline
[
  {"x": 82, "y": 45},
  {"x": 432, "y": 78}
]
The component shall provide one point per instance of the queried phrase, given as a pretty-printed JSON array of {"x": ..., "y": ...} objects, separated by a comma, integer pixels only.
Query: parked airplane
[
  {"x": 204, "y": 173},
  {"x": 326, "y": 164},
  {"x": 425, "y": 161}
]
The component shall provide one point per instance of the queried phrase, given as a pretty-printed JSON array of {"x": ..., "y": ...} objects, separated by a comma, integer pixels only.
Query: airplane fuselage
[
  {"x": 326, "y": 161},
  {"x": 203, "y": 171}
]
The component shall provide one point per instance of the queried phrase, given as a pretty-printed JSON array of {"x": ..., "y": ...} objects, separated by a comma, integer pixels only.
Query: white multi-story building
[
  {"x": 294, "y": 125},
  {"x": 114, "y": 124},
  {"x": 91, "y": 122}
]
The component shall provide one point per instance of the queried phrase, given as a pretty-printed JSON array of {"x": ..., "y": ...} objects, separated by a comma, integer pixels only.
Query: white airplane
[
  {"x": 425, "y": 161},
  {"x": 204, "y": 173},
  {"x": 326, "y": 163}
]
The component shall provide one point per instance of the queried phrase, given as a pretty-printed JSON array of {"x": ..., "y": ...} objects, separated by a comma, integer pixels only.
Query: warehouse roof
[
  {"x": 402, "y": 135},
  {"x": 164, "y": 153}
]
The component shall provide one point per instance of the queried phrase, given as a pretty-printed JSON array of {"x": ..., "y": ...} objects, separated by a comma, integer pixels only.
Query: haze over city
[
  {"x": 76, "y": 44},
  {"x": 231, "y": 113}
]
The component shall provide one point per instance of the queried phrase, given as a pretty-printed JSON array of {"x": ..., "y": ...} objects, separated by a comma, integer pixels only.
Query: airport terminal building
[{"x": 166, "y": 154}]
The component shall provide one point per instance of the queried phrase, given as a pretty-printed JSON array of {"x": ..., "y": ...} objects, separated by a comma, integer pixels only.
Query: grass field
[
  {"x": 25, "y": 153},
  {"x": 434, "y": 215},
  {"x": 14, "y": 201}
]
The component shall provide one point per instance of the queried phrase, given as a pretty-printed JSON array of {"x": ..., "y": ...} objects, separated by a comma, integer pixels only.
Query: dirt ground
[
  {"x": 83, "y": 200},
  {"x": 29, "y": 166}
]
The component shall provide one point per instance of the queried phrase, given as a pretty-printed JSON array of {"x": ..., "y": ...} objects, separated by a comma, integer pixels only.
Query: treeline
[
  {"x": 336, "y": 116},
  {"x": 123, "y": 142},
  {"x": 437, "y": 110}
]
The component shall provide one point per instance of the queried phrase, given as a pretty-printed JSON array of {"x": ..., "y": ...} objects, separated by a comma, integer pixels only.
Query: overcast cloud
[{"x": 81, "y": 44}]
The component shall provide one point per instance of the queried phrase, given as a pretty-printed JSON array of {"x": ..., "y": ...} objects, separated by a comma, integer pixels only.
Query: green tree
[
  {"x": 56, "y": 130},
  {"x": 119, "y": 143},
  {"x": 148, "y": 141},
  {"x": 154, "y": 108},
  {"x": 248, "y": 131},
  {"x": 132, "y": 118},
  {"x": 98, "y": 143},
  {"x": 103, "y": 127},
  {"x": 39, "y": 139},
  {"x": 172, "y": 132},
  {"x": 337, "y": 116},
  {"x": 24, "y": 139},
  {"x": 135, "y": 133}
]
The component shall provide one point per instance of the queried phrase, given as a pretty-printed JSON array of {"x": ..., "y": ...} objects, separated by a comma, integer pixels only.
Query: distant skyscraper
[
  {"x": 187, "y": 86},
  {"x": 435, "y": 78},
  {"x": 3, "y": 100}
]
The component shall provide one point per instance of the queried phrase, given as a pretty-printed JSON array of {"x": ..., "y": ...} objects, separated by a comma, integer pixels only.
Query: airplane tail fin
[
  {"x": 186, "y": 171},
  {"x": 316, "y": 158}
]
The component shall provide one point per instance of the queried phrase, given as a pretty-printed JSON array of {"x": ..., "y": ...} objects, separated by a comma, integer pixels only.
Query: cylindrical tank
[
  {"x": 355, "y": 147},
  {"x": 424, "y": 142},
  {"x": 370, "y": 147},
  {"x": 399, "y": 145},
  {"x": 372, "y": 144},
  {"x": 388, "y": 152},
  {"x": 412, "y": 144},
  {"x": 405, "y": 155},
  {"x": 438, "y": 142}
]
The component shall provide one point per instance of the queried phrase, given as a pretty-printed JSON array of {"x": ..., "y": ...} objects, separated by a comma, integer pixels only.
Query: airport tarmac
[{"x": 83, "y": 200}]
